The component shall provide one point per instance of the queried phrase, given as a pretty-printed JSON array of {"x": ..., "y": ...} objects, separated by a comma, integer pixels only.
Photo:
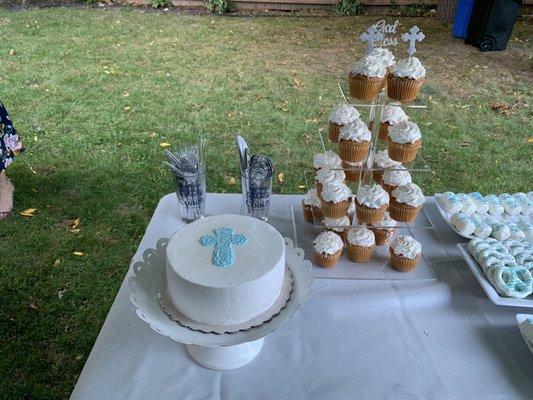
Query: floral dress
[{"x": 10, "y": 144}]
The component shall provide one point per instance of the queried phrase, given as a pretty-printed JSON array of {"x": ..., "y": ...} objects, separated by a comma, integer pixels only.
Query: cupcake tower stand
[{"x": 378, "y": 267}]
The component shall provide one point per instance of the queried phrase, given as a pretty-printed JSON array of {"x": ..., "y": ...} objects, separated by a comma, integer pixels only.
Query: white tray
[
  {"x": 519, "y": 319},
  {"x": 487, "y": 286}
]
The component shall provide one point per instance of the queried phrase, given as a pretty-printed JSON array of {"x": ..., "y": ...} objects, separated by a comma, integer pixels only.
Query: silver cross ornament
[
  {"x": 371, "y": 36},
  {"x": 414, "y": 35}
]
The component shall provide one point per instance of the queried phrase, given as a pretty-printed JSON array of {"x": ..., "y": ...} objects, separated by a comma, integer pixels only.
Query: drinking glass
[
  {"x": 191, "y": 193},
  {"x": 256, "y": 193}
]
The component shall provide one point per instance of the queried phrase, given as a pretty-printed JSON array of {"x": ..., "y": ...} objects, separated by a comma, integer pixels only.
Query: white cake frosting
[
  {"x": 382, "y": 160},
  {"x": 336, "y": 224},
  {"x": 393, "y": 115},
  {"x": 383, "y": 55},
  {"x": 327, "y": 243},
  {"x": 356, "y": 131},
  {"x": 386, "y": 221},
  {"x": 396, "y": 177},
  {"x": 409, "y": 68},
  {"x": 406, "y": 246},
  {"x": 369, "y": 66},
  {"x": 404, "y": 132},
  {"x": 343, "y": 114},
  {"x": 409, "y": 194},
  {"x": 311, "y": 198},
  {"x": 225, "y": 295},
  {"x": 361, "y": 236},
  {"x": 372, "y": 196},
  {"x": 327, "y": 159},
  {"x": 327, "y": 176},
  {"x": 336, "y": 192}
]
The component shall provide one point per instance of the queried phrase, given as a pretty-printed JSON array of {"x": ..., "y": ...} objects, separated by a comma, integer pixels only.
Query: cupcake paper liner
[
  {"x": 384, "y": 131},
  {"x": 369, "y": 215},
  {"x": 402, "y": 212},
  {"x": 377, "y": 174},
  {"x": 334, "y": 130},
  {"x": 403, "y": 89},
  {"x": 318, "y": 187},
  {"x": 364, "y": 87},
  {"x": 388, "y": 188},
  {"x": 351, "y": 151},
  {"x": 308, "y": 212},
  {"x": 317, "y": 212},
  {"x": 353, "y": 174},
  {"x": 326, "y": 260},
  {"x": 402, "y": 264},
  {"x": 382, "y": 235},
  {"x": 359, "y": 253},
  {"x": 403, "y": 152},
  {"x": 334, "y": 210}
]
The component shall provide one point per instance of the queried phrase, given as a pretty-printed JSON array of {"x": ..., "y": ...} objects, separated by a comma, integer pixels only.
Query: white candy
[
  {"x": 516, "y": 233},
  {"x": 462, "y": 223},
  {"x": 469, "y": 207},
  {"x": 525, "y": 203},
  {"x": 510, "y": 205},
  {"x": 482, "y": 205},
  {"x": 449, "y": 202},
  {"x": 500, "y": 231},
  {"x": 526, "y": 227},
  {"x": 495, "y": 207}
]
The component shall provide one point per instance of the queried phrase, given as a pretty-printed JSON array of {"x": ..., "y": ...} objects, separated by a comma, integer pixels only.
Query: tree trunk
[{"x": 446, "y": 10}]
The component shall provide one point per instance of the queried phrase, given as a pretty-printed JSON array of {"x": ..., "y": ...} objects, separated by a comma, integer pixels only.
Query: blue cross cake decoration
[{"x": 223, "y": 239}]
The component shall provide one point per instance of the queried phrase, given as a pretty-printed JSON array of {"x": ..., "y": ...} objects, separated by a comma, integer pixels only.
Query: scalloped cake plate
[
  {"x": 487, "y": 287},
  {"x": 144, "y": 284},
  {"x": 519, "y": 319}
]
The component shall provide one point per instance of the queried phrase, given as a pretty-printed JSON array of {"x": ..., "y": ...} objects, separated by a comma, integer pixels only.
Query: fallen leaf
[
  {"x": 76, "y": 230},
  {"x": 465, "y": 143},
  {"x": 12, "y": 52},
  {"x": 530, "y": 140},
  {"x": 164, "y": 144},
  {"x": 61, "y": 293},
  {"x": 125, "y": 94},
  {"x": 28, "y": 212},
  {"x": 34, "y": 306},
  {"x": 127, "y": 108},
  {"x": 281, "y": 176},
  {"x": 57, "y": 262},
  {"x": 75, "y": 223},
  {"x": 153, "y": 134},
  {"x": 301, "y": 186},
  {"x": 78, "y": 253},
  {"x": 79, "y": 357},
  {"x": 232, "y": 181}
]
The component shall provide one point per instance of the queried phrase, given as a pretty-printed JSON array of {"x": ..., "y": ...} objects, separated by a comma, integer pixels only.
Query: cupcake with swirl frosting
[
  {"x": 405, "y": 202},
  {"x": 326, "y": 176},
  {"x": 354, "y": 142},
  {"x": 337, "y": 225},
  {"x": 311, "y": 205},
  {"x": 353, "y": 171},
  {"x": 335, "y": 200},
  {"x": 366, "y": 78},
  {"x": 404, "y": 141},
  {"x": 405, "y": 79},
  {"x": 360, "y": 243},
  {"x": 384, "y": 229},
  {"x": 405, "y": 252},
  {"x": 327, "y": 249},
  {"x": 328, "y": 159},
  {"x": 390, "y": 115},
  {"x": 381, "y": 162},
  {"x": 370, "y": 203},
  {"x": 393, "y": 178},
  {"x": 341, "y": 115}
]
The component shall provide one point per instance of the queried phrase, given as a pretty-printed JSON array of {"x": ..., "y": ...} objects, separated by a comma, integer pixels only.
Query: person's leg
[{"x": 6, "y": 195}]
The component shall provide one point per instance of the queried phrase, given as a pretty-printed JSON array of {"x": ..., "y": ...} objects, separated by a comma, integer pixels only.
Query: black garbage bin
[{"x": 491, "y": 23}]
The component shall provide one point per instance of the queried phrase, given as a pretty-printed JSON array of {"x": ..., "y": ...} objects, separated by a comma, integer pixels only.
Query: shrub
[
  {"x": 161, "y": 3},
  {"x": 348, "y": 7},
  {"x": 217, "y": 6}
]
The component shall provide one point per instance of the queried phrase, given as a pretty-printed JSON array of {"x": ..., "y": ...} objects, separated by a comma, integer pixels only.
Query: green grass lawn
[{"x": 94, "y": 93}]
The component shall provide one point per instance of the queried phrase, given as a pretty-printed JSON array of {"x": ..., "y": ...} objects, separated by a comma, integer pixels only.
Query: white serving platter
[
  {"x": 487, "y": 287},
  {"x": 519, "y": 319}
]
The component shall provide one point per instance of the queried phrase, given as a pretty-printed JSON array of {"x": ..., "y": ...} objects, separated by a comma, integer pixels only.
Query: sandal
[{"x": 5, "y": 214}]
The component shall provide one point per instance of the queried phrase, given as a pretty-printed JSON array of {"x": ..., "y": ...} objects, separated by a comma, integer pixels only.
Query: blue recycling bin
[{"x": 463, "y": 12}]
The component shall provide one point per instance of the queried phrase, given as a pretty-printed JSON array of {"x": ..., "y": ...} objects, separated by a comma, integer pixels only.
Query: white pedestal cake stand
[{"x": 211, "y": 350}]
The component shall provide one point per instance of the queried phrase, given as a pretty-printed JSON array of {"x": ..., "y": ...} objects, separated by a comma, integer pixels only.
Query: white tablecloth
[{"x": 438, "y": 339}]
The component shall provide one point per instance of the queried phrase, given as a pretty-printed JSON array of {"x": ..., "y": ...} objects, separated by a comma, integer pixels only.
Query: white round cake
[{"x": 226, "y": 269}]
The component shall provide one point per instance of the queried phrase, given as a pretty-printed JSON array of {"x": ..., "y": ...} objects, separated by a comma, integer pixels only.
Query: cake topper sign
[
  {"x": 414, "y": 35},
  {"x": 376, "y": 35}
]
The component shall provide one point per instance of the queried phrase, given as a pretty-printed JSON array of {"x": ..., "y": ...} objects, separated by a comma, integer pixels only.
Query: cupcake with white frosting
[
  {"x": 360, "y": 243},
  {"x": 406, "y": 201},
  {"x": 328, "y": 159},
  {"x": 335, "y": 200},
  {"x": 370, "y": 203},
  {"x": 366, "y": 78},
  {"x": 405, "y": 252},
  {"x": 327, "y": 249},
  {"x": 381, "y": 162},
  {"x": 341, "y": 115},
  {"x": 392, "y": 178},
  {"x": 404, "y": 141},
  {"x": 405, "y": 79},
  {"x": 337, "y": 225},
  {"x": 383, "y": 55},
  {"x": 353, "y": 170},
  {"x": 311, "y": 205},
  {"x": 354, "y": 142},
  {"x": 390, "y": 115},
  {"x": 384, "y": 229},
  {"x": 326, "y": 176}
]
